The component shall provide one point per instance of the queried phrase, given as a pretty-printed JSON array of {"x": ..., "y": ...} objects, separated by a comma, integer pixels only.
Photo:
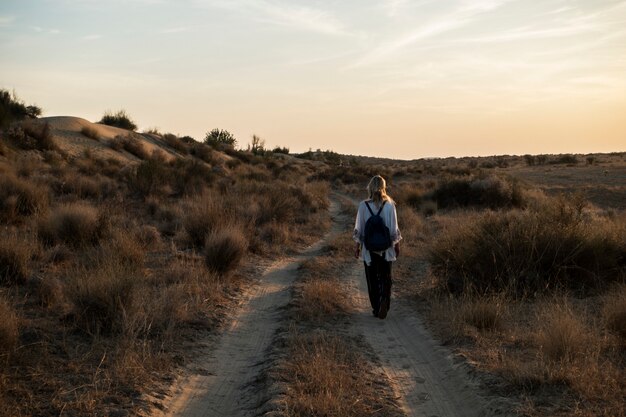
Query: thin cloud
[
  {"x": 175, "y": 30},
  {"x": 92, "y": 37},
  {"x": 462, "y": 16},
  {"x": 283, "y": 14},
  {"x": 6, "y": 21}
]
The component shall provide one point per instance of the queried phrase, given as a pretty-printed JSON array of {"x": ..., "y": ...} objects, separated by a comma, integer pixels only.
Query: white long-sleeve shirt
[{"x": 391, "y": 221}]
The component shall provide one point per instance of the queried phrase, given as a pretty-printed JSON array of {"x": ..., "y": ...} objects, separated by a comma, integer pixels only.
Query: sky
[{"x": 390, "y": 78}]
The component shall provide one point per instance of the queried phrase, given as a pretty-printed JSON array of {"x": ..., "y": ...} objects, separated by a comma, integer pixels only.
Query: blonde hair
[{"x": 377, "y": 189}]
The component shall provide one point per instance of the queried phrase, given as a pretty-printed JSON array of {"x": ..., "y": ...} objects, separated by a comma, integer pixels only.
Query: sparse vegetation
[
  {"x": 119, "y": 119},
  {"x": 90, "y": 132},
  {"x": 76, "y": 224},
  {"x": 13, "y": 109},
  {"x": 219, "y": 137}
]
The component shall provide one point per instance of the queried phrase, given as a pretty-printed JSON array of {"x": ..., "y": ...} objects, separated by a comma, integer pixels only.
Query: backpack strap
[
  {"x": 379, "y": 210},
  {"x": 381, "y": 207}
]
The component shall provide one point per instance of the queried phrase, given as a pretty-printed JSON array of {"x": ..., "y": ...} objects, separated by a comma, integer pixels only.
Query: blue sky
[{"x": 395, "y": 78}]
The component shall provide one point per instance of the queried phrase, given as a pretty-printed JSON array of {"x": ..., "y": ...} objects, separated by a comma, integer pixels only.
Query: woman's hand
[
  {"x": 396, "y": 247},
  {"x": 357, "y": 250}
]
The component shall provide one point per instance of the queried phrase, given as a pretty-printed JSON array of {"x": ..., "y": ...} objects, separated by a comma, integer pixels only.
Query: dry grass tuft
[
  {"x": 320, "y": 374},
  {"x": 203, "y": 216},
  {"x": 103, "y": 297},
  {"x": 484, "y": 313},
  {"x": 224, "y": 249},
  {"x": 614, "y": 311},
  {"x": 90, "y": 132},
  {"x": 76, "y": 224},
  {"x": 15, "y": 257},
  {"x": 9, "y": 328},
  {"x": 562, "y": 335},
  {"x": 321, "y": 300},
  {"x": 21, "y": 197}
]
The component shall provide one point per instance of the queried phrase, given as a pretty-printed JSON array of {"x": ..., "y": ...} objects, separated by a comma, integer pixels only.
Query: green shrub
[
  {"x": 218, "y": 137},
  {"x": 120, "y": 119},
  {"x": 13, "y": 109}
]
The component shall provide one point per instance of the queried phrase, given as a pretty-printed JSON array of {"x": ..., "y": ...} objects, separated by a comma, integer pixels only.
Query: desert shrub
[
  {"x": 90, "y": 132},
  {"x": 21, "y": 197},
  {"x": 224, "y": 248},
  {"x": 80, "y": 185},
  {"x": 564, "y": 159},
  {"x": 120, "y": 119},
  {"x": 103, "y": 297},
  {"x": 561, "y": 333},
  {"x": 590, "y": 160},
  {"x": 282, "y": 150},
  {"x": 9, "y": 327},
  {"x": 148, "y": 236},
  {"x": 14, "y": 109},
  {"x": 32, "y": 136},
  {"x": 130, "y": 144},
  {"x": 204, "y": 214},
  {"x": 189, "y": 176},
  {"x": 176, "y": 143},
  {"x": 15, "y": 257},
  {"x": 614, "y": 311},
  {"x": 219, "y": 137},
  {"x": 203, "y": 152},
  {"x": 524, "y": 252},
  {"x": 149, "y": 177},
  {"x": 489, "y": 192},
  {"x": 76, "y": 224}
]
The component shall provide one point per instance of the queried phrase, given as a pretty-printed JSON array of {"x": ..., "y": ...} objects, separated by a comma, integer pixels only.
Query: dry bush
[
  {"x": 204, "y": 214},
  {"x": 76, "y": 224},
  {"x": 21, "y": 197},
  {"x": 49, "y": 291},
  {"x": 525, "y": 252},
  {"x": 90, "y": 132},
  {"x": 149, "y": 236},
  {"x": 561, "y": 334},
  {"x": 411, "y": 223},
  {"x": 322, "y": 300},
  {"x": 9, "y": 327},
  {"x": 176, "y": 143},
  {"x": 130, "y": 144},
  {"x": 104, "y": 297},
  {"x": 614, "y": 311},
  {"x": 15, "y": 257},
  {"x": 30, "y": 135},
  {"x": 224, "y": 248},
  {"x": 492, "y": 192},
  {"x": 80, "y": 185}
]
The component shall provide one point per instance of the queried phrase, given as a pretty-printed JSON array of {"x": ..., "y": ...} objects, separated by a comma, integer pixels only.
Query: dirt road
[{"x": 423, "y": 374}]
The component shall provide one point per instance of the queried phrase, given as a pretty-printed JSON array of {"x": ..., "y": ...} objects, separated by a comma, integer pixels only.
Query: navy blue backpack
[{"x": 377, "y": 237}]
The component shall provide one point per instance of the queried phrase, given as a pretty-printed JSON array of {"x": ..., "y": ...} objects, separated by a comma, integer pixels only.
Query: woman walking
[{"x": 377, "y": 243}]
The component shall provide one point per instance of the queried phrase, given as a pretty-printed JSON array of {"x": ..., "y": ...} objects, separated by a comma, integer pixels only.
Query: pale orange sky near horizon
[{"x": 391, "y": 78}]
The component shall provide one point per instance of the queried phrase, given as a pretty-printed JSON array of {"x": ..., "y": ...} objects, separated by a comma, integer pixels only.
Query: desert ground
[{"x": 152, "y": 275}]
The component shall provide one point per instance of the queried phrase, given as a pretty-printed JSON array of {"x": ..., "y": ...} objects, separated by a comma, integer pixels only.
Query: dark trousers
[{"x": 378, "y": 275}]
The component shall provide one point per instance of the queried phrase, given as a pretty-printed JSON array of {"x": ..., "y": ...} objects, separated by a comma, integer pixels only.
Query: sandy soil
[
  {"x": 221, "y": 383},
  {"x": 424, "y": 375}
]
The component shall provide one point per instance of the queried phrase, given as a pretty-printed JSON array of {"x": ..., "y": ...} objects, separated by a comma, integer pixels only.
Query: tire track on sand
[{"x": 222, "y": 384}]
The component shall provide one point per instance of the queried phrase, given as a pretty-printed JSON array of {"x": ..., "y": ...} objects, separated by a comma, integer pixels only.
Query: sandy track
[
  {"x": 222, "y": 383},
  {"x": 422, "y": 373}
]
